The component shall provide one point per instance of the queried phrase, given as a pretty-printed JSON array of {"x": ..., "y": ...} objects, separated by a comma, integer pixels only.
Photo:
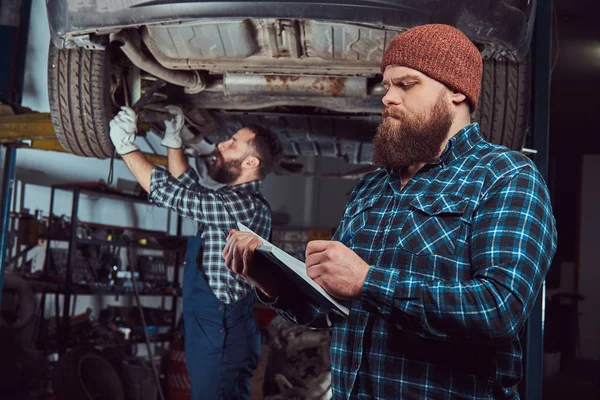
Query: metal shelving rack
[{"x": 68, "y": 288}]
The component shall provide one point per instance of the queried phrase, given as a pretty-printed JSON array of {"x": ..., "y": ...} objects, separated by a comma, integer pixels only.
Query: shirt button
[
  {"x": 220, "y": 307},
  {"x": 222, "y": 330}
]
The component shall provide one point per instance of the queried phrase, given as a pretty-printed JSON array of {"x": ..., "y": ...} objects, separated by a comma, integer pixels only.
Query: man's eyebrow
[{"x": 400, "y": 79}]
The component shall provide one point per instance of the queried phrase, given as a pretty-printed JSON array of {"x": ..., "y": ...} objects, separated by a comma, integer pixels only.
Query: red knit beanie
[{"x": 441, "y": 52}]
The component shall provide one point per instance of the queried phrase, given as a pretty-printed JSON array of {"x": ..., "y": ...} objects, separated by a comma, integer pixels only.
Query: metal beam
[
  {"x": 8, "y": 180},
  {"x": 31, "y": 126},
  {"x": 54, "y": 145},
  {"x": 35, "y": 131},
  {"x": 14, "y": 28}
]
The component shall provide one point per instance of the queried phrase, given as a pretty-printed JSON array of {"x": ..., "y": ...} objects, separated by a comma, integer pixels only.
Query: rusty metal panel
[
  {"x": 331, "y": 41},
  {"x": 205, "y": 40},
  {"x": 295, "y": 85},
  {"x": 277, "y": 46}
]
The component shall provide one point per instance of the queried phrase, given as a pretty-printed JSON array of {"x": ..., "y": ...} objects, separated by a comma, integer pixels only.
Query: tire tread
[{"x": 79, "y": 97}]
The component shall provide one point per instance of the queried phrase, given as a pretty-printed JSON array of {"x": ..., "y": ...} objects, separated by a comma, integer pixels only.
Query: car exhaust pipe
[{"x": 192, "y": 81}]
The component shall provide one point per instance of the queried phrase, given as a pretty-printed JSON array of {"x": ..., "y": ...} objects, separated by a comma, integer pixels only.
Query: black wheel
[
  {"x": 79, "y": 83},
  {"x": 503, "y": 111},
  {"x": 83, "y": 373}
]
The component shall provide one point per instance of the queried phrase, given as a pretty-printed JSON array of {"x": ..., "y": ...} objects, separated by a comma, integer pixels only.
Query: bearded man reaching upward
[
  {"x": 440, "y": 254},
  {"x": 222, "y": 340}
]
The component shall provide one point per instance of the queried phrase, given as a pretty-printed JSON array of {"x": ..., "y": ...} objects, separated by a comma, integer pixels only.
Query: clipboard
[{"x": 295, "y": 271}]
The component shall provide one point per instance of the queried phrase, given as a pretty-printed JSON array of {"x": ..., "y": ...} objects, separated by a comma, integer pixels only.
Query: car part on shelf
[{"x": 152, "y": 270}]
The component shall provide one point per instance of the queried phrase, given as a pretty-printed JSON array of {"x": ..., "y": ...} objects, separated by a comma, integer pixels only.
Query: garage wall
[
  {"x": 315, "y": 202},
  {"x": 589, "y": 261},
  {"x": 333, "y": 193}
]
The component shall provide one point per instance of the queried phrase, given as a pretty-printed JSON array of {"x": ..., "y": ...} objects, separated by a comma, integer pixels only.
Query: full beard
[
  {"x": 402, "y": 141},
  {"x": 222, "y": 171}
]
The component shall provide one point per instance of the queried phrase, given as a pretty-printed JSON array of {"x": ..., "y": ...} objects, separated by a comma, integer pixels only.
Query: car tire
[
  {"x": 84, "y": 373},
  {"x": 80, "y": 103},
  {"x": 503, "y": 110}
]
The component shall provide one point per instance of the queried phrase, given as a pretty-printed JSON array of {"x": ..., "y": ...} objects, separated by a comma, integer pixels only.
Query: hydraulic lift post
[
  {"x": 533, "y": 346},
  {"x": 13, "y": 35}
]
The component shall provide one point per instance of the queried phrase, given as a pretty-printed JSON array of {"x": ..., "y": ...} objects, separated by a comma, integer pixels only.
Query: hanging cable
[
  {"x": 111, "y": 167},
  {"x": 144, "y": 326}
]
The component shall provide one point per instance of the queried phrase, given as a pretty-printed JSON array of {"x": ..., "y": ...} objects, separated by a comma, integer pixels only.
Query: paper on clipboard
[{"x": 298, "y": 268}]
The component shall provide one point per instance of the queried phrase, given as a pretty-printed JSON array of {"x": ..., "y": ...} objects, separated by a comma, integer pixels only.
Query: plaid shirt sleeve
[
  {"x": 190, "y": 179},
  {"x": 512, "y": 241},
  {"x": 195, "y": 202}
]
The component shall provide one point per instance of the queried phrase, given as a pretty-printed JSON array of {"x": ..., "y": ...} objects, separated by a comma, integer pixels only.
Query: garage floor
[
  {"x": 581, "y": 382},
  {"x": 567, "y": 387}
]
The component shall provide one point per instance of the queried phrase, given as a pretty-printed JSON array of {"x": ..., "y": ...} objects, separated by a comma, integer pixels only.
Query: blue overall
[{"x": 222, "y": 341}]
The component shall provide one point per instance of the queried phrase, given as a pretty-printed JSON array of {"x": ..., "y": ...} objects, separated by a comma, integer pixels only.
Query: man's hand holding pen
[{"x": 336, "y": 268}]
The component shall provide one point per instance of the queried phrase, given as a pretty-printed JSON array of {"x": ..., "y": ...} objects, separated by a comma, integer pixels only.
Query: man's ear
[
  {"x": 457, "y": 97},
  {"x": 251, "y": 162}
]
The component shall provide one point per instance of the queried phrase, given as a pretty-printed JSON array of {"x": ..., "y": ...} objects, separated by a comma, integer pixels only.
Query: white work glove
[
  {"x": 173, "y": 127},
  {"x": 123, "y": 128}
]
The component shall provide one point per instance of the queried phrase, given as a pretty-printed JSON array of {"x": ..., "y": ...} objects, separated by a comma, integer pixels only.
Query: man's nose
[{"x": 392, "y": 98}]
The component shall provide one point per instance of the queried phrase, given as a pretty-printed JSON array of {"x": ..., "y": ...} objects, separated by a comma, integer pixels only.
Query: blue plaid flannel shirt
[
  {"x": 457, "y": 259},
  {"x": 216, "y": 212}
]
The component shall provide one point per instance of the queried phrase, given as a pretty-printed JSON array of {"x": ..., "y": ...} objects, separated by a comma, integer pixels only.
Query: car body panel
[{"x": 503, "y": 28}]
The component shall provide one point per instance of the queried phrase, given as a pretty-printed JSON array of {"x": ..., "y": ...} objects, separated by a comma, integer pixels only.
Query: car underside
[{"x": 308, "y": 70}]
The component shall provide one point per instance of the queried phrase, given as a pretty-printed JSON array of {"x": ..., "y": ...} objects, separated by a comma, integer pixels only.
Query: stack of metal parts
[{"x": 299, "y": 366}]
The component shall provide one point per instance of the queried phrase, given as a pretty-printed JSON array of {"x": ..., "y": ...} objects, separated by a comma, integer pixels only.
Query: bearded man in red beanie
[{"x": 440, "y": 254}]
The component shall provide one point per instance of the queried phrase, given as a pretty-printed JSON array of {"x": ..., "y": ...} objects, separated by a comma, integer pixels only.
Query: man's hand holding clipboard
[
  {"x": 239, "y": 258},
  {"x": 332, "y": 271}
]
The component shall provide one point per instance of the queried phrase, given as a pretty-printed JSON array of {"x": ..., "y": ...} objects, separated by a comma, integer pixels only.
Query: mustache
[
  {"x": 391, "y": 112},
  {"x": 212, "y": 157}
]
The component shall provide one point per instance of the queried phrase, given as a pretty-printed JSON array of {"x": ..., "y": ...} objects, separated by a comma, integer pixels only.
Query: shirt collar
[
  {"x": 459, "y": 144},
  {"x": 252, "y": 186}
]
